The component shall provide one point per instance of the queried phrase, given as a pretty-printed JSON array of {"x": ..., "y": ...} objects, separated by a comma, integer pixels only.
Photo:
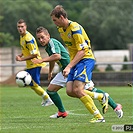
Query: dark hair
[
  {"x": 21, "y": 21},
  {"x": 58, "y": 11},
  {"x": 42, "y": 29}
]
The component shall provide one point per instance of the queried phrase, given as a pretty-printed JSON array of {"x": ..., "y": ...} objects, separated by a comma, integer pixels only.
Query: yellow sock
[
  {"x": 89, "y": 104},
  {"x": 94, "y": 95},
  {"x": 100, "y": 96},
  {"x": 91, "y": 94},
  {"x": 45, "y": 95},
  {"x": 40, "y": 91},
  {"x": 98, "y": 116}
]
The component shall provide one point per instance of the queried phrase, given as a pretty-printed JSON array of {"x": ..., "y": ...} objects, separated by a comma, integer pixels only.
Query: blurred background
[{"x": 109, "y": 25}]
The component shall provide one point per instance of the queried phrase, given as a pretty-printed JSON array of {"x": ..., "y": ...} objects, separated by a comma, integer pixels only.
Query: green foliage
[
  {"x": 96, "y": 69},
  {"x": 21, "y": 112},
  {"x": 6, "y": 38},
  {"x": 125, "y": 66},
  {"x": 35, "y": 13},
  {"x": 109, "y": 68},
  {"x": 109, "y": 24}
]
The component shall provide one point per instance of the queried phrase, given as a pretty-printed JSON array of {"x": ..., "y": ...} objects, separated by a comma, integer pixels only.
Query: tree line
[{"x": 109, "y": 24}]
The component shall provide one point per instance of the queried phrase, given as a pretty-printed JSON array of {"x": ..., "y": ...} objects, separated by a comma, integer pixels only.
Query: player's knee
[
  {"x": 68, "y": 92},
  {"x": 79, "y": 93},
  {"x": 90, "y": 89}
]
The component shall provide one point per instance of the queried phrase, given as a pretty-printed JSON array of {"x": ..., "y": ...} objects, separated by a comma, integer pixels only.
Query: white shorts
[{"x": 61, "y": 81}]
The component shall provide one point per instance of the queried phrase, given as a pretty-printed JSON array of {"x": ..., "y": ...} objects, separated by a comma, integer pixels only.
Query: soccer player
[
  {"x": 116, "y": 107},
  {"x": 82, "y": 61},
  {"x": 30, "y": 51},
  {"x": 57, "y": 53}
]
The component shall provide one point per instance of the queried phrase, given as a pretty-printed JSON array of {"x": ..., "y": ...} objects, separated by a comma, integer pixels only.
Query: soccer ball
[{"x": 23, "y": 78}]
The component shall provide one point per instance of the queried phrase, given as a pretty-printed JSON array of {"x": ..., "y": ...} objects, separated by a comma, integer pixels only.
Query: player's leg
[
  {"x": 57, "y": 83},
  {"x": 77, "y": 80},
  {"x": 57, "y": 101},
  {"x": 102, "y": 97},
  {"x": 78, "y": 90},
  {"x": 116, "y": 107},
  {"x": 111, "y": 102},
  {"x": 35, "y": 85}
]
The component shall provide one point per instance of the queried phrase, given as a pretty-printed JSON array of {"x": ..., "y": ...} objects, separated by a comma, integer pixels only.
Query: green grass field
[{"x": 21, "y": 112}]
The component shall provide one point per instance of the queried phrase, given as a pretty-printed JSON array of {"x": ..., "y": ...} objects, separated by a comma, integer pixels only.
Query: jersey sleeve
[
  {"x": 31, "y": 45},
  {"x": 79, "y": 38},
  {"x": 54, "y": 47}
]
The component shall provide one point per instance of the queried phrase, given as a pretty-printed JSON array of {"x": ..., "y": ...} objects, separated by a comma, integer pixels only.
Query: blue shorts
[
  {"x": 82, "y": 71},
  {"x": 35, "y": 74}
]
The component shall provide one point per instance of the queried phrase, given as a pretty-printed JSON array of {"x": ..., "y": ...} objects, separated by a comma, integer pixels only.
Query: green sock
[
  {"x": 111, "y": 102},
  {"x": 57, "y": 100}
]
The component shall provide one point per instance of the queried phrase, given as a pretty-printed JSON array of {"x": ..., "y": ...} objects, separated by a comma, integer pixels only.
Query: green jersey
[{"x": 55, "y": 47}]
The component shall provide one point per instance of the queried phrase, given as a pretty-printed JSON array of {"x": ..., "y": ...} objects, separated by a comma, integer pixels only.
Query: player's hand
[
  {"x": 18, "y": 58},
  {"x": 36, "y": 61},
  {"x": 66, "y": 71},
  {"x": 50, "y": 76}
]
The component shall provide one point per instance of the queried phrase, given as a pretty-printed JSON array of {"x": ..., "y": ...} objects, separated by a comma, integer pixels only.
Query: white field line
[{"x": 71, "y": 112}]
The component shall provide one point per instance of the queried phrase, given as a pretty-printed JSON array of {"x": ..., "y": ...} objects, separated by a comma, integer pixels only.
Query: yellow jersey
[
  {"x": 29, "y": 47},
  {"x": 76, "y": 39}
]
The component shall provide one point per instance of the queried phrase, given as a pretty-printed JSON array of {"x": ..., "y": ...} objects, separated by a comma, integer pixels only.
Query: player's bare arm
[
  {"x": 19, "y": 58},
  {"x": 51, "y": 67},
  {"x": 37, "y": 61},
  {"x": 53, "y": 57}
]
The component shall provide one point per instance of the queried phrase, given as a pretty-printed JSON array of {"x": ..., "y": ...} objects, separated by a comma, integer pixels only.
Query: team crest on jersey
[
  {"x": 76, "y": 27},
  {"x": 23, "y": 42},
  {"x": 69, "y": 35}
]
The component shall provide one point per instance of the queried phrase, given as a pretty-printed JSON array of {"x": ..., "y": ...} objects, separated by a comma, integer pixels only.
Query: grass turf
[{"x": 21, "y": 112}]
